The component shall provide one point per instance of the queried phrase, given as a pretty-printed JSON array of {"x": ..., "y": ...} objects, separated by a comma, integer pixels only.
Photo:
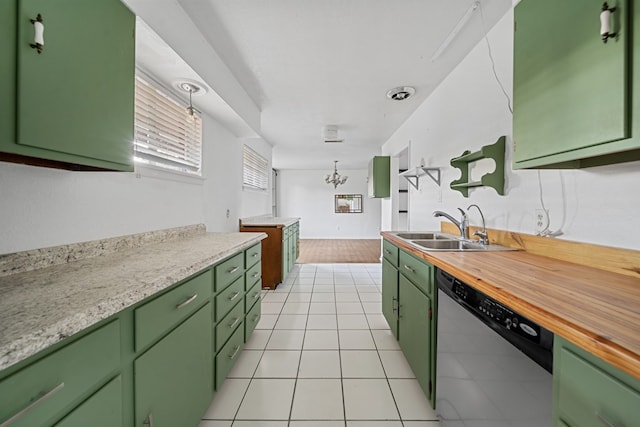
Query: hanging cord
[
  {"x": 493, "y": 64},
  {"x": 546, "y": 231}
]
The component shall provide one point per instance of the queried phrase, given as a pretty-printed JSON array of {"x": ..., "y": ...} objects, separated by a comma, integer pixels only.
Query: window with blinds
[
  {"x": 254, "y": 170},
  {"x": 165, "y": 134}
]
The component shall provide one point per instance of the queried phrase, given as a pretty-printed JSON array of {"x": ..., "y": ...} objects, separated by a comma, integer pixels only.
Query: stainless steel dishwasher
[{"x": 494, "y": 365}]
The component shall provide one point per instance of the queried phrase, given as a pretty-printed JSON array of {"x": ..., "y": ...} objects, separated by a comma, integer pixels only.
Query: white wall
[
  {"x": 305, "y": 194},
  {"x": 42, "y": 207},
  {"x": 468, "y": 110}
]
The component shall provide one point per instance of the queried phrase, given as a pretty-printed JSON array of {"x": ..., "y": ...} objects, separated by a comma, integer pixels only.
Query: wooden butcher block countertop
[{"x": 595, "y": 309}]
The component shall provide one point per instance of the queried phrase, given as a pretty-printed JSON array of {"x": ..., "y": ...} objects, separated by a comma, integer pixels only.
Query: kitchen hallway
[{"x": 322, "y": 356}]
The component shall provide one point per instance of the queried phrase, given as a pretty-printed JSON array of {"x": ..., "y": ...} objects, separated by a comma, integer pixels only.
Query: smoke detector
[
  {"x": 330, "y": 134},
  {"x": 400, "y": 93}
]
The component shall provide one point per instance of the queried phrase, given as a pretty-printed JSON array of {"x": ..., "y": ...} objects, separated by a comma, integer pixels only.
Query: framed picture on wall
[{"x": 348, "y": 203}]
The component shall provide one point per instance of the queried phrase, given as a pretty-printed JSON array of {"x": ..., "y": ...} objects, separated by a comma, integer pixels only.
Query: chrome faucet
[
  {"x": 463, "y": 224},
  {"x": 484, "y": 238}
]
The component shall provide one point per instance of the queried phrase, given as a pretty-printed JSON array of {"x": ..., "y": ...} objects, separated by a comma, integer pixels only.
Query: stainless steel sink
[
  {"x": 457, "y": 245},
  {"x": 424, "y": 236}
]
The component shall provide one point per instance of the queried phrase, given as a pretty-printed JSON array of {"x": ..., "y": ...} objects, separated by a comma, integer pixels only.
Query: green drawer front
[
  {"x": 156, "y": 317},
  {"x": 103, "y": 409},
  {"x": 66, "y": 375},
  {"x": 228, "y": 298},
  {"x": 226, "y": 326},
  {"x": 253, "y": 275},
  {"x": 419, "y": 272},
  {"x": 252, "y": 296},
  {"x": 253, "y": 254},
  {"x": 252, "y": 319},
  {"x": 228, "y": 271},
  {"x": 228, "y": 356},
  {"x": 585, "y": 392},
  {"x": 390, "y": 252}
]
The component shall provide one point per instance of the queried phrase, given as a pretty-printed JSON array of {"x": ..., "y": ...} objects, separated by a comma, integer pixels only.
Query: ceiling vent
[
  {"x": 400, "y": 93},
  {"x": 330, "y": 134}
]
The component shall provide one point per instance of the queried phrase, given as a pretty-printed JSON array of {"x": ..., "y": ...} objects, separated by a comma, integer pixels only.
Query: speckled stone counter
[
  {"x": 40, "y": 308},
  {"x": 270, "y": 221}
]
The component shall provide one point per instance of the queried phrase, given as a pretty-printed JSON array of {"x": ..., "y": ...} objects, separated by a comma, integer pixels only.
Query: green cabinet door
[
  {"x": 589, "y": 392},
  {"x": 73, "y": 102},
  {"x": 571, "y": 90},
  {"x": 415, "y": 333},
  {"x": 379, "y": 180},
  {"x": 103, "y": 409},
  {"x": 285, "y": 253},
  {"x": 390, "y": 295},
  {"x": 174, "y": 378}
]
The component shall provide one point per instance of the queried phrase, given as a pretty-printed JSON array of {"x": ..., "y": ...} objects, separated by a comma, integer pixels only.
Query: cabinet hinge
[
  {"x": 430, "y": 388},
  {"x": 430, "y": 313}
]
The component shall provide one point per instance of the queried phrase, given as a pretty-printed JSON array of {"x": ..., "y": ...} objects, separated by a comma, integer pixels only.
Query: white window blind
[
  {"x": 165, "y": 134},
  {"x": 254, "y": 170}
]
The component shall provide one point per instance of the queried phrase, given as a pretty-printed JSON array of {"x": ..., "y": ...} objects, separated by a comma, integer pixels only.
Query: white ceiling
[{"x": 305, "y": 64}]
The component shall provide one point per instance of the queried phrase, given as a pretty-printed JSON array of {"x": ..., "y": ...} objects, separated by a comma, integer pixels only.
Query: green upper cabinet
[
  {"x": 74, "y": 102},
  {"x": 572, "y": 91},
  {"x": 379, "y": 177}
]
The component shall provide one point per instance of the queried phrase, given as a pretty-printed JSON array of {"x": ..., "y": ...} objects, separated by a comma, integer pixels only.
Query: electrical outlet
[{"x": 541, "y": 220}]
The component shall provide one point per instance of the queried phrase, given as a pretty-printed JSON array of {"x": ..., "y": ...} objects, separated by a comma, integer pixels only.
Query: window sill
[{"x": 148, "y": 171}]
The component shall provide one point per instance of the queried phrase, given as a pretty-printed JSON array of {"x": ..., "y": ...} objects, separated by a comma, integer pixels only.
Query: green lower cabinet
[
  {"x": 251, "y": 320},
  {"x": 103, "y": 409},
  {"x": 173, "y": 379},
  {"x": 589, "y": 392},
  {"x": 390, "y": 295},
  {"x": 415, "y": 333},
  {"x": 226, "y": 358}
]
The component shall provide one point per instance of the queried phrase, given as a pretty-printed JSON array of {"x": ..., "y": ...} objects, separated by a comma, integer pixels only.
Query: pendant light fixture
[
  {"x": 193, "y": 88},
  {"x": 335, "y": 178}
]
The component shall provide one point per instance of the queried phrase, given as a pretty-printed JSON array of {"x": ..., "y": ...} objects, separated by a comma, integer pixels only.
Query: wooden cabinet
[
  {"x": 173, "y": 379},
  {"x": 46, "y": 390},
  {"x": 588, "y": 392},
  {"x": 70, "y": 106},
  {"x": 409, "y": 305},
  {"x": 279, "y": 250},
  {"x": 573, "y": 96},
  {"x": 379, "y": 177}
]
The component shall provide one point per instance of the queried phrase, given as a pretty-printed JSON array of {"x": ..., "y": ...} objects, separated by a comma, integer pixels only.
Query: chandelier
[{"x": 335, "y": 177}]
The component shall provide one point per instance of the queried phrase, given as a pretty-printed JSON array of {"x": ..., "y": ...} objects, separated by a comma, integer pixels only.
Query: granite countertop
[
  {"x": 595, "y": 309},
  {"x": 268, "y": 221},
  {"x": 41, "y": 307}
]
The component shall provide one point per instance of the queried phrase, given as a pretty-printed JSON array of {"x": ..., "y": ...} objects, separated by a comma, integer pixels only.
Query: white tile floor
[{"x": 322, "y": 356}]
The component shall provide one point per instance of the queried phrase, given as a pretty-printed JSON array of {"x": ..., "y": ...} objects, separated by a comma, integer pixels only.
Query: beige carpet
[{"x": 339, "y": 250}]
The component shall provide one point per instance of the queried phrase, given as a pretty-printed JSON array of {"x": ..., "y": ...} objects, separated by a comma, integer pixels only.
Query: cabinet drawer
[
  {"x": 253, "y": 254},
  {"x": 390, "y": 252},
  {"x": 584, "y": 392},
  {"x": 251, "y": 320},
  {"x": 228, "y": 298},
  {"x": 103, "y": 409},
  {"x": 228, "y": 271},
  {"x": 61, "y": 378},
  {"x": 252, "y": 296},
  {"x": 253, "y": 275},
  {"x": 418, "y": 271},
  {"x": 226, "y": 326},
  {"x": 228, "y": 356},
  {"x": 159, "y": 315}
]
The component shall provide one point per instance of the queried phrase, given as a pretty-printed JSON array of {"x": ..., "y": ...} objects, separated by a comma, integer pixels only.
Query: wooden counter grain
[{"x": 594, "y": 309}]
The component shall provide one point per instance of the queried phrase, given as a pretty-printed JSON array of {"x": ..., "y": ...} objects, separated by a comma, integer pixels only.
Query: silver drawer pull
[
  {"x": 233, "y": 270},
  {"x": 256, "y": 295},
  {"x": 149, "y": 420},
  {"x": 604, "y": 421},
  {"x": 255, "y": 317},
  {"x": 187, "y": 301},
  {"x": 234, "y": 296},
  {"x": 406, "y": 267},
  {"x": 234, "y": 323},
  {"x": 233, "y": 355},
  {"x": 255, "y": 275},
  {"x": 387, "y": 251},
  {"x": 255, "y": 255},
  {"x": 42, "y": 397}
]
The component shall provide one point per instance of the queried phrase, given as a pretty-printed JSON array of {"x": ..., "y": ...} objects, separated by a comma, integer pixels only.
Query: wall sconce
[{"x": 605, "y": 23}]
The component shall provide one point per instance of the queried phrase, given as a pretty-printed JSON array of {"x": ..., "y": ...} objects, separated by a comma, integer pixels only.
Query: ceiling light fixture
[
  {"x": 335, "y": 177},
  {"x": 193, "y": 88},
  {"x": 400, "y": 93},
  {"x": 330, "y": 134},
  {"x": 456, "y": 29}
]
